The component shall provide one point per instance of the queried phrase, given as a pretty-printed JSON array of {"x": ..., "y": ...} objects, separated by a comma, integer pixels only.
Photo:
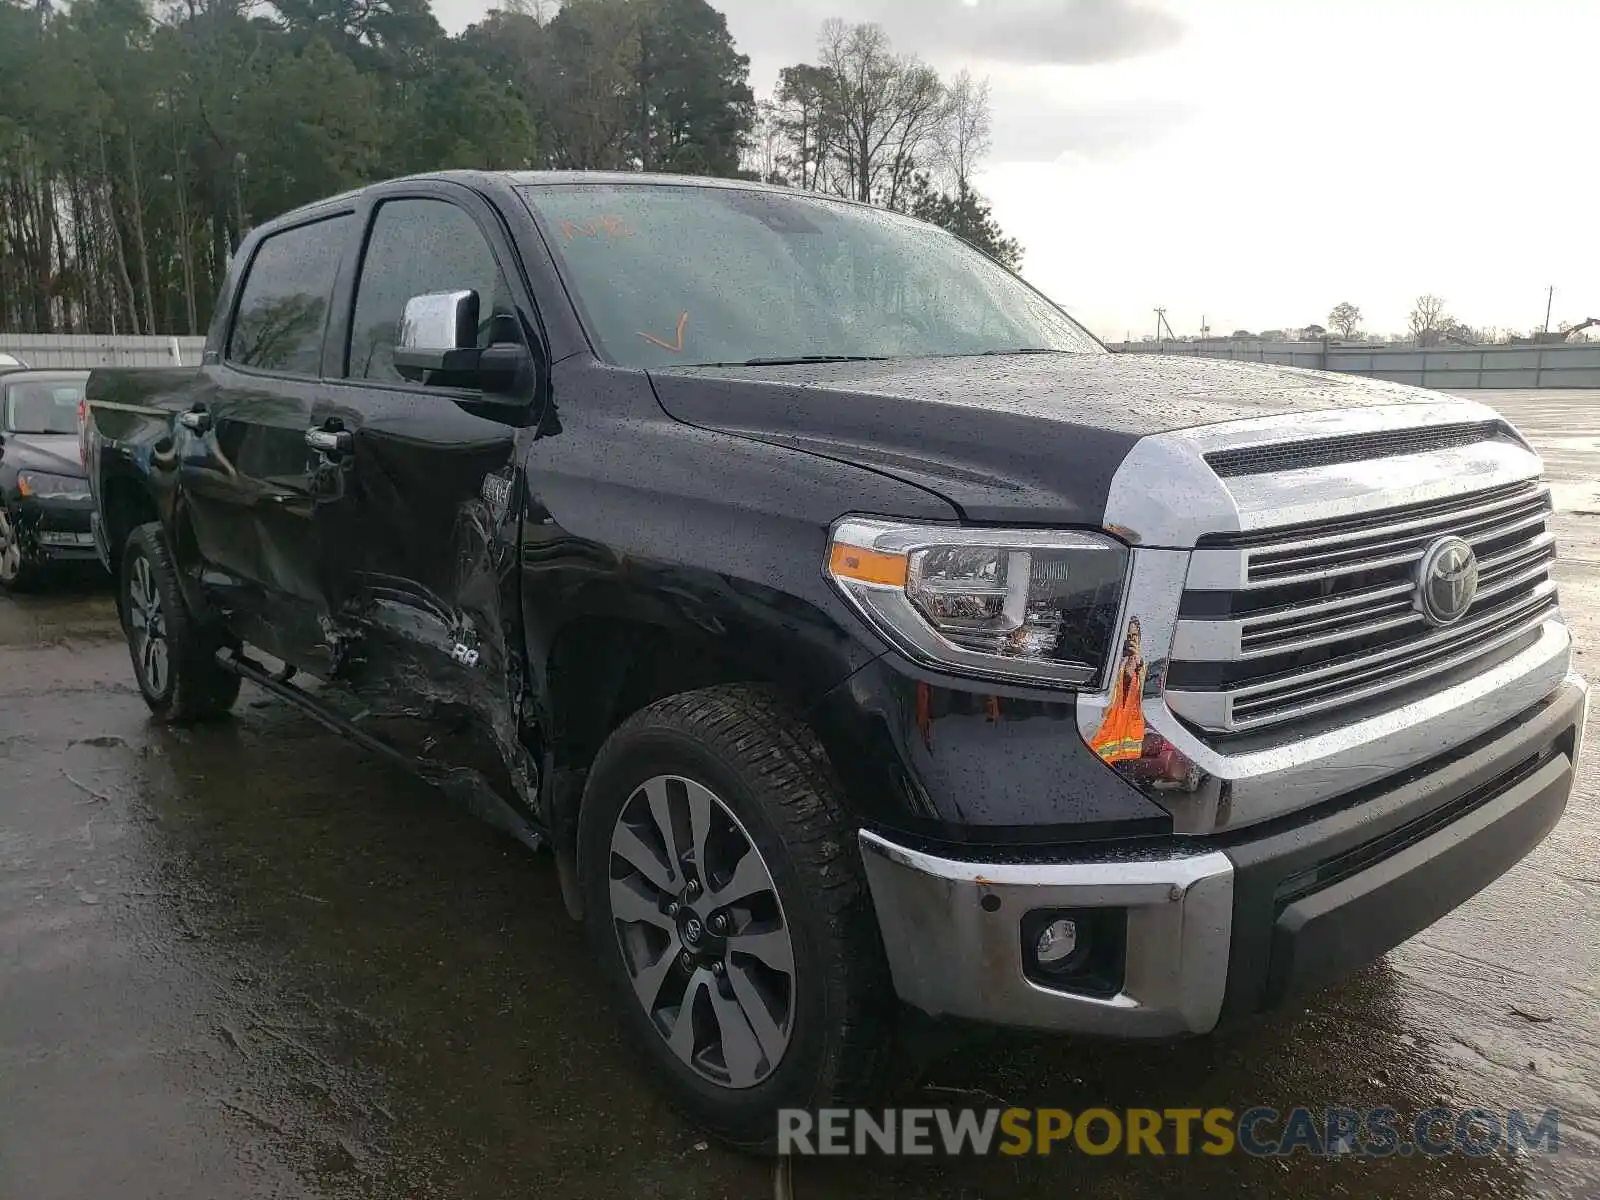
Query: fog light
[
  {"x": 1056, "y": 943},
  {"x": 1077, "y": 950}
]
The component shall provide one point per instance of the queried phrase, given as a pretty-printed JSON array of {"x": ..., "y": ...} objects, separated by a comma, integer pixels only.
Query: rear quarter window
[{"x": 283, "y": 305}]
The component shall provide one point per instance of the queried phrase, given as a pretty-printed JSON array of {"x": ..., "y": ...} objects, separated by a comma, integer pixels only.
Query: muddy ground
[{"x": 252, "y": 960}]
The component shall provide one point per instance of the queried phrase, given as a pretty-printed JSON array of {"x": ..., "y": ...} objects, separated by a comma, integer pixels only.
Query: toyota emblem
[
  {"x": 692, "y": 930},
  {"x": 1447, "y": 581}
]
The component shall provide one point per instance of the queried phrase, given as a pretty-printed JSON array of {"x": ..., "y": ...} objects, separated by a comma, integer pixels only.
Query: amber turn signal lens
[{"x": 867, "y": 566}]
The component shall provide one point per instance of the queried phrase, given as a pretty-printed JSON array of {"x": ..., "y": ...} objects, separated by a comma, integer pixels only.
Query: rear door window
[
  {"x": 417, "y": 247},
  {"x": 283, "y": 306}
]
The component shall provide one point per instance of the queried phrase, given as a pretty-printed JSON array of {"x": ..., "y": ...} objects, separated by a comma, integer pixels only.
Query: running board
[{"x": 463, "y": 783}]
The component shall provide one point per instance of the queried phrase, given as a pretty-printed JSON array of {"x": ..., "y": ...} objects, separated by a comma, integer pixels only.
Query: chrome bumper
[
  {"x": 952, "y": 931},
  {"x": 1208, "y": 931}
]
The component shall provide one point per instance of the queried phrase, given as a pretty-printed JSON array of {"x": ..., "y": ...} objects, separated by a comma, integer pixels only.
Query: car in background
[
  {"x": 10, "y": 362},
  {"x": 45, "y": 503}
]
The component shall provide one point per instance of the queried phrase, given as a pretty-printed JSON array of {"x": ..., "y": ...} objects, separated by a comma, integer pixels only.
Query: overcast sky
[{"x": 1253, "y": 162}]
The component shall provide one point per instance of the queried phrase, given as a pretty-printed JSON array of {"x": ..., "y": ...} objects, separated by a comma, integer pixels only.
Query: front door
[
  {"x": 249, "y": 479},
  {"x": 419, "y": 556}
]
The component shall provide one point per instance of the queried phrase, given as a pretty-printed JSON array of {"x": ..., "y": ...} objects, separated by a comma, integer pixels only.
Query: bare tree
[
  {"x": 1344, "y": 319},
  {"x": 763, "y": 153},
  {"x": 886, "y": 111},
  {"x": 966, "y": 136},
  {"x": 1428, "y": 319}
]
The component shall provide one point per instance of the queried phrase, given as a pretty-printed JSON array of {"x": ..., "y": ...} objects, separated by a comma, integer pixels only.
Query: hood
[
  {"x": 1036, "y": 436},
  {"x": 56, "y": 453}
]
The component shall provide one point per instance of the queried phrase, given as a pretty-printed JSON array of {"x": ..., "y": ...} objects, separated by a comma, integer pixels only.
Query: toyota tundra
[{"x": 856, "y": 630}]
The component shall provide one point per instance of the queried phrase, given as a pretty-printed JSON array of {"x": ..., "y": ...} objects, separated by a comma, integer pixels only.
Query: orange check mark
[{"x": 675, "y": 347}]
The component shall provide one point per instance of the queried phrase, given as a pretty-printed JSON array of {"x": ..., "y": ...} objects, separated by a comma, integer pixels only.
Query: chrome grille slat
[
  {"x": 1400, "y": 552},
  {"x": 1461, "y": 631},
  {"x": 1334, "y": 621},
  {"x": 1500, "y": 635},
  {"x": 1438, "y": 515},
  {"x": 1294, "y": 614},
  {"x": 1524, "y": 564}
]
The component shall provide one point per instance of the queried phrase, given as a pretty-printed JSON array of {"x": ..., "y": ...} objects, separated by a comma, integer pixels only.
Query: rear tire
[
  {"x": 722, "y": 879},
  {"x": 174, "y": 655}
]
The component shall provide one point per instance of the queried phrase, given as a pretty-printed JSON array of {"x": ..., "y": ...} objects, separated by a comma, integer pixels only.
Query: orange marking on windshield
[
  {"x": 676, "y": 348},
  {"x": 596, "y": 227}
]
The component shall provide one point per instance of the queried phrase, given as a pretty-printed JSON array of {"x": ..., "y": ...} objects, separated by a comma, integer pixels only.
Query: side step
[
  {"x": 462, "y": 783},
  {"x": 278, "y": 684}
]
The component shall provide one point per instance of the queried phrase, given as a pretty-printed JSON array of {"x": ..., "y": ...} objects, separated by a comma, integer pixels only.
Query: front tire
[
  {"x": 174, "y": 656},
  {"x": 17, "y": 572},
  {"x": 724, "y": 894}
]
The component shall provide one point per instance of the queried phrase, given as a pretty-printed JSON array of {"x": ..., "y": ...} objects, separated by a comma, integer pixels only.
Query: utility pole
[
  {"x": 1161, "y": 323},
  {"x": 1549, "y": 301}
]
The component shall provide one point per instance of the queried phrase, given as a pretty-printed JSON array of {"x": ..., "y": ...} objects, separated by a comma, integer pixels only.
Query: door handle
[
  {"x": 330, "y": 441},
  {"x": 197, "y": 420}
]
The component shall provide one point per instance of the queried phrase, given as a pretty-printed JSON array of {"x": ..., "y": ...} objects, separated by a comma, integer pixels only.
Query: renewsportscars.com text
[{"x": 1258, "y": 1131}]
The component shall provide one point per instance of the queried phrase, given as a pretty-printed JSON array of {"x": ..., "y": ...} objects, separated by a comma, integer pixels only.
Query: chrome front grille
[{"x": 1295, "y": 624}]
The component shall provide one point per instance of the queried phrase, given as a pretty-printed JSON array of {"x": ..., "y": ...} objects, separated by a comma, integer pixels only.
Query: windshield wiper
[
  {"x": 803, "y": 358},
  {"x": 1026, "y": 350}
]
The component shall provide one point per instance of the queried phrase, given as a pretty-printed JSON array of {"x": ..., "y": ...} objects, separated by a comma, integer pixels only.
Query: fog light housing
[
  {"x": 1057, "y": 943},
  {"x": 1079, "y": 950}
]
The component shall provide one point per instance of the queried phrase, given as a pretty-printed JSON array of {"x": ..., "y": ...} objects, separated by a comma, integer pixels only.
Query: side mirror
[
  {"x": 438, "y": 343},
  {"x": 438, "y": 332}
]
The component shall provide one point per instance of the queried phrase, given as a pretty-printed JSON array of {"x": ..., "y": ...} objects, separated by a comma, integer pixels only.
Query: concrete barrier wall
[
  {"x": 1570, "y": 366},
  {"x": 79, "y": 350},
  {"x": 1562, "y": 366}
]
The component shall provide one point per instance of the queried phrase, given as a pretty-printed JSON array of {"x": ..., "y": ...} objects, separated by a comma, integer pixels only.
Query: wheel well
[
  {"x": 602, "y": 671},
  {"x": 125, "y": 504}
]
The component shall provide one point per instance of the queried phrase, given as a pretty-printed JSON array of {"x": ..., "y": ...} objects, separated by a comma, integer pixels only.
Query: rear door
[
  {"x": 419, "y": 559},
  {"x": 249, "y": 481}
]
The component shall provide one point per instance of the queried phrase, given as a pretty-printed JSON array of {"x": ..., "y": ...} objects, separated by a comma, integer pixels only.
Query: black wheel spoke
[
  {"x": 772, "y": 947},
  {"x": 647, "y": 983},
  {"x": 630, "y": 904},
  {"x": 681, "y": 1036},
  {"x": 700, "y": 802},
  {"x": 661, "y": 812},
  {"x": 757, "y": 1013},
  {"x": 750, "y": 878},
  {"x": 741, "y": 1049},
  {"x": 628, "y": 846}
]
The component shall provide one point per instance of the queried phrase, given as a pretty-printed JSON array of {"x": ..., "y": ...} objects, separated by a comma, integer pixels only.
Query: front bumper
[
  {"x": 1223, "y": 926},
  {"x": 57, "y": 528}
]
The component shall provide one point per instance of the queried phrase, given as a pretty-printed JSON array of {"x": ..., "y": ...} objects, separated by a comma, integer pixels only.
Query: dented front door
[{"x": 414, "y": 518}]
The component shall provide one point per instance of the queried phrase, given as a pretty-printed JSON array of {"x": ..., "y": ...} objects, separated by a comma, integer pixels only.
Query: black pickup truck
[{"x": 849, "y": 622}]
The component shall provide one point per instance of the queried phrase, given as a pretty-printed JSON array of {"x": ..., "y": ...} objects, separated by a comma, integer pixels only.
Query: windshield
[
  {"x": 678, "y": 276},
  {"x": 43, "y": 407}
]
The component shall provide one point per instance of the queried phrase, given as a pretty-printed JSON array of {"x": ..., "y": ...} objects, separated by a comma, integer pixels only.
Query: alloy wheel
[
  {"x": 147, "y": 625},
  {"x": 702, "y": 931},
  {"x": 10, "y": 549}
]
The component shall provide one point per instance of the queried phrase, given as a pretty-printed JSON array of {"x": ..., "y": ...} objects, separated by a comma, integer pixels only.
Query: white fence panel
[{"x": 81, "y": 350}]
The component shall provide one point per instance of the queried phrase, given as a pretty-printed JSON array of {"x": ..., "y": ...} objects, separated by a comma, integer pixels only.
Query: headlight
[
  {"x": 1037, "y": 606},
  {"x": 38, "y": 483}
]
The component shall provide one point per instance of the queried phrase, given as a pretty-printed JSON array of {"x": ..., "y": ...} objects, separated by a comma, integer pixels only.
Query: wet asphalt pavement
[{"x": 250, "y": 960}]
